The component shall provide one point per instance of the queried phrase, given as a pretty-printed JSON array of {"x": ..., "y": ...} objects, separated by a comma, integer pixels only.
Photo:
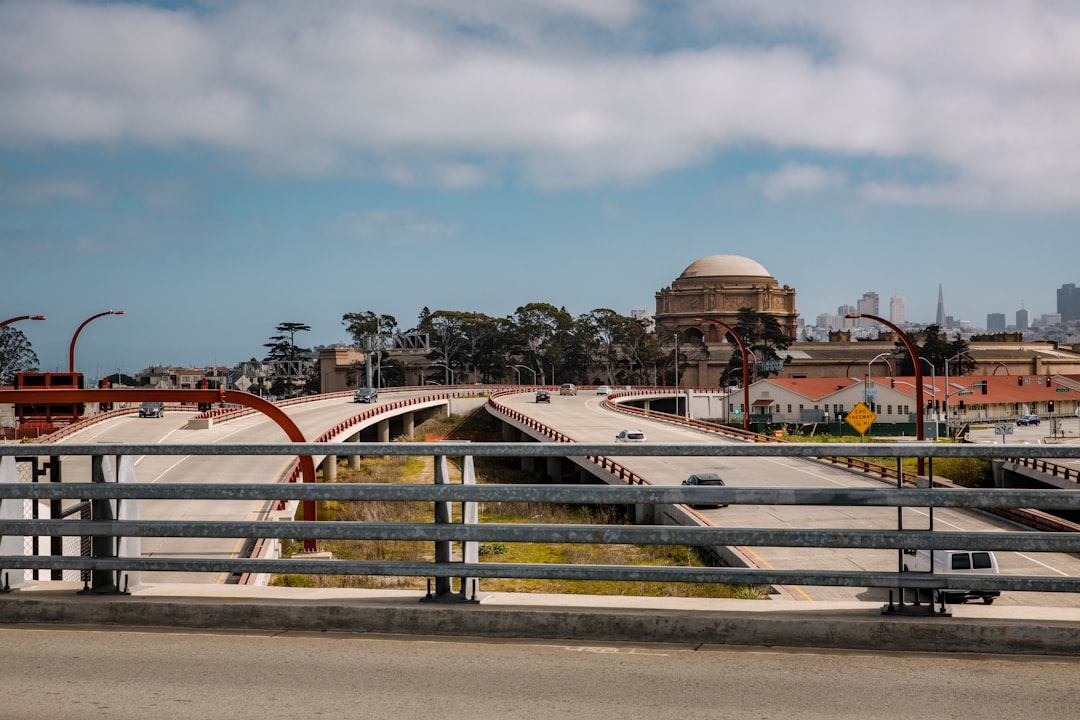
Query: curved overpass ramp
[{"x": 589, "y": 418}]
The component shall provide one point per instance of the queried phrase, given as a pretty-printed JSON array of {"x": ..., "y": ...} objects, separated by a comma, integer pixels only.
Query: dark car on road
[
  {"x": 366, "y": 395},
  {"x": 152, "y": 410},
  {"x": 1027, "y": 420},
  {"x": 704, "y": 479},
  {"x": 543, "y": 396}
]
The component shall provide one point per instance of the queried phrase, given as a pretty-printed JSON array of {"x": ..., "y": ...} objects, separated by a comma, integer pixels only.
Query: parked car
[
  {"x": 1027, "y": 420},
  {"x": 603, "y": 390},
  {"x": 543, "y": 396},
  {"x": 630, "y": 436},
  {"x": 366, "y": 395},
  {"x": 704, "y": 479},
  {"x": 568, "y": 389},
  {"x": 152, "y": 410}
]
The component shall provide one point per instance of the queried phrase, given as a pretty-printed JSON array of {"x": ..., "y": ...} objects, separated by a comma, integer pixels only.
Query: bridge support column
[
  {"x": 384, "y": 431},
  {"x": 409, "y": 421},
  {"x": 645, "y": 514},
  {"x": 329, "y": 468},
  {"x": 554, "y": 469},
  {"x": 354, "y": 459}
]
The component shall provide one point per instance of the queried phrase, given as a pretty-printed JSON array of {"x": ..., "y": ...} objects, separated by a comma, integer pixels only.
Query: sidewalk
[{"x": 757, "y": 623}]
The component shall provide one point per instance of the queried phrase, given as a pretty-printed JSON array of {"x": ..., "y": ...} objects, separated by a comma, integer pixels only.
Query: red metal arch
[{"x": 192, "y": 397}]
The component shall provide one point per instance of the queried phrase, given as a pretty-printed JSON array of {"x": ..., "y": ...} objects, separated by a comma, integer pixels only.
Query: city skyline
[{"x": 215, "y": 169}]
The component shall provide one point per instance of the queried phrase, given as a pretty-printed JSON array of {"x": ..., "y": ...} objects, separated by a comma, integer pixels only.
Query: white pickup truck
[{"x": 955, "y": 562}]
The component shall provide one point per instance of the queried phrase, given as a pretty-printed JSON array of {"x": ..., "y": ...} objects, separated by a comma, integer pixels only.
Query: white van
[{"x": 955, "y": 562}]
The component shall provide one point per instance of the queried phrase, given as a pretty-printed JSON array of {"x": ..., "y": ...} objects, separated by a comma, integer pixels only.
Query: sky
[{"x": 214, "y": 168}]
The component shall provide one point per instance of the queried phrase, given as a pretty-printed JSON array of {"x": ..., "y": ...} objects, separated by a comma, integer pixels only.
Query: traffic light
[
  {"x": 1050, "y": 406},
  {"x": 892, "y": 383},
  {"x": 961, "y": 406},
  {"x": 1019, "y": 381},
  {"x": 1048, "y": 381},
  {"x": 984, "y": 384}
]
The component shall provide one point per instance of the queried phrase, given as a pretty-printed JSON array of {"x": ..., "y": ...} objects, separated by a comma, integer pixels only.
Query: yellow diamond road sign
[{"x": 860, "y": 418}]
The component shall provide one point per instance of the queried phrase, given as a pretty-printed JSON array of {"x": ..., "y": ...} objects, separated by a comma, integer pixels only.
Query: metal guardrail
[{"x": 103, "y": 525}]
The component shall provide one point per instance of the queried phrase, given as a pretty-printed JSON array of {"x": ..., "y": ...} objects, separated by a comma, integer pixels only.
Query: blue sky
[{"x": 216, "y": 168}]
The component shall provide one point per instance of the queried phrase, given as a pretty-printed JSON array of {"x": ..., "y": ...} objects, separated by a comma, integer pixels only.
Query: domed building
[{"x": 717, "y": 287}]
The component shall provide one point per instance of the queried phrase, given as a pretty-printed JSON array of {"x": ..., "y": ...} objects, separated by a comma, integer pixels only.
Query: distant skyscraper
[
  {"x": 940, "y": 308},
  {"x": 1068, "y": 302},
  {"x": 995, "y": 322},
  {"x": 896, "y": 310},
  {"x": 868, "y": 305},
  {"x": 1023, "y": 318}
]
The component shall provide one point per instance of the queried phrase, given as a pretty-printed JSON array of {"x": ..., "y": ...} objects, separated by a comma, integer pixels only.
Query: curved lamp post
[
  {"x": 745, "y": 367},
  {"x": 71, "y": 350},
  {"x": 449, "y": 371},
  {"x": 519, "y": 368},
  {"x": 21, "y": 317},
  {"x": 514, "y": 368},
  {"x": 917, "y": 362},
  {"x": 947, "y": 362},
  {"x": 866, "y": 384}
]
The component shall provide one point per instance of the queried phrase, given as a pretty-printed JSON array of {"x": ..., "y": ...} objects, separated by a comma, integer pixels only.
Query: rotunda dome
[{"x": 725, "y": 266}]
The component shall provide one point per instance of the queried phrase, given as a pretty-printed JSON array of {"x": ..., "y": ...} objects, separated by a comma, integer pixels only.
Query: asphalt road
[{"x": 55, "y": 674}]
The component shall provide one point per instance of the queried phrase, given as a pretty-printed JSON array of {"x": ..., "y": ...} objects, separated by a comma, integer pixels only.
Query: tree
[
  {"x": 541, "y": 336},
  {"x": 367, "y": 324},
  {"x": 283, "y": 354},
  {"x": 16, "y": 355},
  {"x": 764, "y": 339},
  {"x": 936, "y": 350}
]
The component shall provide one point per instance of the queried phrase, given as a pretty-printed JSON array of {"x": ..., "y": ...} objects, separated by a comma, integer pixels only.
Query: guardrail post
[
  {"x": 12, "y": 509},
  {"x": 443, "y": 588},
  {"x": 444, "y": 548},
  {"x": 470, "y": 515},
  {"x": 128, "y": 509},
  {"x": 101, "y": 581}
]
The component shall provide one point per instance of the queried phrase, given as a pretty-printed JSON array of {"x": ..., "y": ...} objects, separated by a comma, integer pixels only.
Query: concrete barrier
[{"x": 755, "y": 623}]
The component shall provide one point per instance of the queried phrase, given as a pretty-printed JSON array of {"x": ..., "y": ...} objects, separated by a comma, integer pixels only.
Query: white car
[
  {"x": 630, "y": 436},
  {"x": 603, "y": 390}
]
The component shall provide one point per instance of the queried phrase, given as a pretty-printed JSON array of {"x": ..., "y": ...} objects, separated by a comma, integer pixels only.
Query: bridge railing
[{"x": 107, "y": 524}]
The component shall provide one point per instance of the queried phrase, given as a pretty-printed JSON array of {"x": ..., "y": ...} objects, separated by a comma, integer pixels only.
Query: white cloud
[
  {"x": 566, "y": 94},
  {"x": 396, "y": 227},
  {"x": 798, "y": 179}
]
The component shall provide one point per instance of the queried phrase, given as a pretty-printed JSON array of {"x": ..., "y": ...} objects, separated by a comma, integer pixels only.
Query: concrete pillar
[
  {"x": 409, "y": 420},
  {"x": 329, "y": 468},
  {"x": 554, "y": 469},
  {"x": 645, "y": 514},
  {"x": 384, "y": 431},
  {"x": 354, "y": 459}
]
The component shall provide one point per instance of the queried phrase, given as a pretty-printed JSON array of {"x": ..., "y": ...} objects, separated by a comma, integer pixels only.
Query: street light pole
[
  {"x": 866, "y": 384},
  {"x": 946, "y": 415},
  {"x": 933, "y": 386},
  {"x": 71, "y": 349},
  {"x": 7, "y": 322},
  {"x": 916, "y": 361},
  {"x": 515, "y": 369},
  {"x": 745, "y": 367},
  {"x": 449, "y": 371}
]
